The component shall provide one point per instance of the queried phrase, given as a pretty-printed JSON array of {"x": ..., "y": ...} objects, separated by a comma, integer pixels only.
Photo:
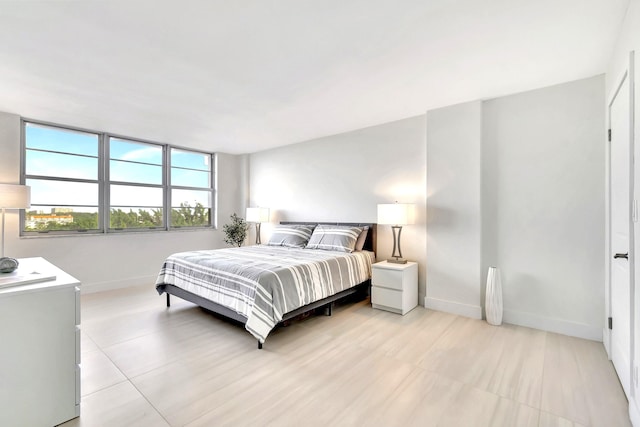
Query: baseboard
[
  {"x": 513, "y": 317},
  {"x": 466, "y": 310},
  {"x": 559, "y": 326},
  {"x": 90, "y": 288},
  {"x": 634, "y": 413}
]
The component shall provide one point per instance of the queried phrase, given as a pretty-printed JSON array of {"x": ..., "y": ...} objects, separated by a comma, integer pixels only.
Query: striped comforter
[{"x": 262, "y": 283}]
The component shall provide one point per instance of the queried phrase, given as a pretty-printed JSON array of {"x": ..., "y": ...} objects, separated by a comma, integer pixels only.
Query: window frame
[{"x": 104, "y": 184}]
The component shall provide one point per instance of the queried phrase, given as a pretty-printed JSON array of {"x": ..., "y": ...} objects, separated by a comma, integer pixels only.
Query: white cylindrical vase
[{"x": 493, "y": 297}]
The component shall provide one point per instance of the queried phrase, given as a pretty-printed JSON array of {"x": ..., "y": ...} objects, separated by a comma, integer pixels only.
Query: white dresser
[
  {"x": 40, "y": 349},
  {"x": 394, "y": 287}
]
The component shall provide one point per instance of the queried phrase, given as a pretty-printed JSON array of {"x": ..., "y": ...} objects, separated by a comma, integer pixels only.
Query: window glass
[
  {"x": 135, "y": 162},
  {"x": 190, "y": 160},
  {"x": 62, "y": 169},
  {"x": 130, "y": 195},
  {"x": 135, "y": 217},
  {"x": 135, "y": 207},
  {"x": 62, "y": 205},
  {"x": 190, "y": 208},
  {"x": 62, "y": 140},
  {"x": 191, "y": 193},
  {"x": 190, "y": 178},
  {"x": 197, "y": 216},
  {"x": 44, "y": 163},
  {"x": 89, "y": 181},
  {"x": 180, "y": 197},
  {"x": 135, "y": 172},
  {"x": 61, "y": 193},
  {"x": 132, "y": 151},
  {"x": 190, "y": 169},
  {"x": 61, "y": 218}
]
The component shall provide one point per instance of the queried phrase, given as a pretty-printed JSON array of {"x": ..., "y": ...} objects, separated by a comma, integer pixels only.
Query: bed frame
[{"x": 327, "y": 303}]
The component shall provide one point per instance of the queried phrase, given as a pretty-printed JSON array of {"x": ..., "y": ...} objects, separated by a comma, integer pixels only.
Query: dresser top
[{"x": 35, "y": 275}]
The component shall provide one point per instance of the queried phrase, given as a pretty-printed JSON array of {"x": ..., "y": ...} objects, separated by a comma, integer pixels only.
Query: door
[{"x": 621, "y": 196}]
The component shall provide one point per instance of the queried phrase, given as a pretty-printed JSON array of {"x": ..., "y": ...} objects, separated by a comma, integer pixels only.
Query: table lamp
[
  {"x": 12, "y": 196},
  {"x": 258, "y": 216},
  {"x": 396, "y": 215}
]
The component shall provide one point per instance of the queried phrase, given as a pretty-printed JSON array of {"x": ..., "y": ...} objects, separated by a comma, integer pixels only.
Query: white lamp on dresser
[{"x": 12, "y": 196}]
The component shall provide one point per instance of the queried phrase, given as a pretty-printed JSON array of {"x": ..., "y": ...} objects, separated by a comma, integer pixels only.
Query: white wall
[
  {"x": 629, "y": 40},
  {"x": 343, "y": 178},
  {"x": 517, "y": 182},
  {"x": 453, "y": 209},
  {"x": 115, "y": 260},
  {"x": 543, "y": 205}
]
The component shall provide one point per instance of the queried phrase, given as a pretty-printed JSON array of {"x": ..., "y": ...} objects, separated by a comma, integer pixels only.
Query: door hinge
[
  {"x": 610, "y": 322},
  {"x": 609, "y": 135}
]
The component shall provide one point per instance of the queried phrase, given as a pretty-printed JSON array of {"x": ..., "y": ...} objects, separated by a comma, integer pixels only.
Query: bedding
[
  {"x": 291, "y": 236},
  {"x": 340, "y": 238},
  {"x": 362, "y": 238},
  {"x": 262, "y": 283}
]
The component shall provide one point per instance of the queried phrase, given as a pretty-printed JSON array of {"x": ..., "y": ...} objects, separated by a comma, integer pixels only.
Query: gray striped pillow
[
  {"x": 334, "y": 238},
  {"x": 292, "y": 236}
]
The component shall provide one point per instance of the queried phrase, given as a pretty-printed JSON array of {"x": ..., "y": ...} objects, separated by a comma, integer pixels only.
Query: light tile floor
[{"x": 146, "y": 365}]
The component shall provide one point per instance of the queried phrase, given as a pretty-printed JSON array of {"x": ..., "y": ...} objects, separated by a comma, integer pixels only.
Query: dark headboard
[{"x": 369, "y": 244}]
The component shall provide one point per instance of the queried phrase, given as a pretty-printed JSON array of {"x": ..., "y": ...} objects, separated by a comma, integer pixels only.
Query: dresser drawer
[
  {"x": 394, "y": 287},
  {"x": 386, "y": 297},
  {"x": 386, "y": 278}
]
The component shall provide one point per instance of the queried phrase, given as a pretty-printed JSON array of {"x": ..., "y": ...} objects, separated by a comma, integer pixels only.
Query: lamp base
[
  {"x": 397, "y": 260},
  {"x": 258, "y": 242}
]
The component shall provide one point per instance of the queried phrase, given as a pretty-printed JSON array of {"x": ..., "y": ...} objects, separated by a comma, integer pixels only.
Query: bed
[{"x": 264, "y": 285}]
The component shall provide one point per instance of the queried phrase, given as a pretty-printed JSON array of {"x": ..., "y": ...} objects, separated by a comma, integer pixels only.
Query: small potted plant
[{"x": 236, "y": 232}]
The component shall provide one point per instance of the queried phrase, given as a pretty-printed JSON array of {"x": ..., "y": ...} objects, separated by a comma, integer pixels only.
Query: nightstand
[{"x": 394, "y": 287}]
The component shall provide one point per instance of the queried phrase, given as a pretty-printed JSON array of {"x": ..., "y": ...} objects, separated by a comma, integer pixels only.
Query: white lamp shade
[
  {"x": 15, "y": 196},
  {"x": 257, "y": 215},
  {"x": 396, "y": 213}
]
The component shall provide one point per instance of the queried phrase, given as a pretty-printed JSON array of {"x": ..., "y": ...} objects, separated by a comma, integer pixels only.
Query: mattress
[{"x": 262, "y": 283}]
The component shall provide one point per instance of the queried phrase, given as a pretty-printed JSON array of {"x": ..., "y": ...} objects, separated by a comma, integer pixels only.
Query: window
[
  {"x": 191, "y": 195},
  {"x": 136, "y": 196},
  {"x": 92, "y": 182},
  {"x": 63, "y": 170}
]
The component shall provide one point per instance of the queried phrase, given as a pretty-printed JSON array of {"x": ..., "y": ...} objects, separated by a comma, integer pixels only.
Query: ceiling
[{"x": 247, "y": 75}]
